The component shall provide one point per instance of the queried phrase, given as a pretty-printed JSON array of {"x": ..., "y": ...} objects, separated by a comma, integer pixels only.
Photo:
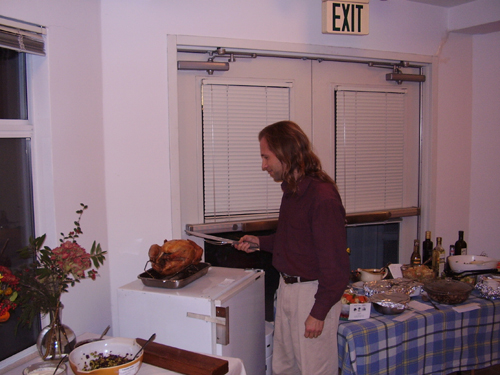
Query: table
[
  {"x": 235, "y": 364},
  {"x": 428, "y": 342},
  {"x": 235, "y": 368}
]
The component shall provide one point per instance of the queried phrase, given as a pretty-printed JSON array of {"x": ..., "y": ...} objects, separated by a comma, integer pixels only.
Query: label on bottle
[
  {"x": 441, "y": 264},
  {"x": 427, "y": 250},
  {"x": 463, "y": 251},
  {"x": 452, "y": 250}
]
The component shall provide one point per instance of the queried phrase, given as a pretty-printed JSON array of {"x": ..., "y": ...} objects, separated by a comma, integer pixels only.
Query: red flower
[{"x": 9, "y": 287}]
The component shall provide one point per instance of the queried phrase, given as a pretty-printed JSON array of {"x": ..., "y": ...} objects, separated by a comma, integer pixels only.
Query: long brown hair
[{"x": 293, "y": 149}]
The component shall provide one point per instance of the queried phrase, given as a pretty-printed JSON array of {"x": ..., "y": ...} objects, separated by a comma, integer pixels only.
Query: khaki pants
[{"x": 293, "y": 354}]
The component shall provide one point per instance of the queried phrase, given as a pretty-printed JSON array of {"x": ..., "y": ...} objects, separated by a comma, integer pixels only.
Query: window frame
[{"x": 23, "y": 129}]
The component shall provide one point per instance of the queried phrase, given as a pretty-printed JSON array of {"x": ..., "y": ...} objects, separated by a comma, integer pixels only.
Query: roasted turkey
[{"x": 174, "y": 255}]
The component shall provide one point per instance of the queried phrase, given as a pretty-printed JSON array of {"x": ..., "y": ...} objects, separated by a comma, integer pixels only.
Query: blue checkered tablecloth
[{"x": 429, "y": 342}]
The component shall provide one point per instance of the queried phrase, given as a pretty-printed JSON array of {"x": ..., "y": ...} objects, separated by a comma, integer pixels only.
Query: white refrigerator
[{"x": 220, "y": 313}]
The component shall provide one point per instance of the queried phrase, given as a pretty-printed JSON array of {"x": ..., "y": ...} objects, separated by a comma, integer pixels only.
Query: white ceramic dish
[
  {"x": 372, "y": 274},
  {"x": 46, "y": 368},
  {"x": 463, "y": 263},
  {"x": 79, "y": 357}
]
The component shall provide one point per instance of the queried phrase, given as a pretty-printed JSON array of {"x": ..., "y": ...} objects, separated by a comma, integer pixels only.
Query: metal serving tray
[{"x": 178, "y": 280}]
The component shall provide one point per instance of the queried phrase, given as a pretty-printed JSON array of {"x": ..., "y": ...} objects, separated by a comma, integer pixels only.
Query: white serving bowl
[
  {"x": 81, "y": 356},
  {"x": 46, "y": 368},
  {"x": 463, "y": 263}
]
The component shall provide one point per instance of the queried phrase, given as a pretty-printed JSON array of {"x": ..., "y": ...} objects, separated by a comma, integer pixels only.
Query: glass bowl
[
  {"x": 449, "y": 292},
  {"x": 418, "y": 273},
  {"x": 46, "y": 368}
]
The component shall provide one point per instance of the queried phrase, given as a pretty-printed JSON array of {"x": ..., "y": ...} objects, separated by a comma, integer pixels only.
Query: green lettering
[
  {"x": 359, "y": 8},
  {"x": 345, "y": 8},
  {"x": 335, "y": 16},
  {"x": 352, "y": 18}
]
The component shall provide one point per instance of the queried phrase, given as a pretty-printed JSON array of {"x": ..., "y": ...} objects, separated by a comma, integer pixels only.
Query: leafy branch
[{"x": 53, "y": 271}]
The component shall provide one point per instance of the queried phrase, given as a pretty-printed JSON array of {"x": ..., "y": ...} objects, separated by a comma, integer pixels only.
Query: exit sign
[{"x": 345, "y": 17}]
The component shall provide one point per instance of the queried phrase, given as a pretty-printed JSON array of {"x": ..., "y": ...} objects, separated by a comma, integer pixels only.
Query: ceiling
[{"x": 444, "y": 3}]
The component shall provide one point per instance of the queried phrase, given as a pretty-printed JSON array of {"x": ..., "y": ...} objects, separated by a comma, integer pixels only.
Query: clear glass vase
[{"x": 56, "y": 340}]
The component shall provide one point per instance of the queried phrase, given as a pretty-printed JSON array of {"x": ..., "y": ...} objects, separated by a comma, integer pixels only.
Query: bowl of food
[
  {"x": 107, "y": 357},
  {"x": 418, "y": 273},
  {"x": 463, "y": 263},
  {"x": 390, "y": 303},
  {"x": 449, "y": 292}
]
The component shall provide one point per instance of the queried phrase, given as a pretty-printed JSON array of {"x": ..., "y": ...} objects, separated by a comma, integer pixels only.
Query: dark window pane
[
  {"x": 373, "y": 246},
  {"x": 16, "y": 226},
  {"x": 13, "y": 102}
]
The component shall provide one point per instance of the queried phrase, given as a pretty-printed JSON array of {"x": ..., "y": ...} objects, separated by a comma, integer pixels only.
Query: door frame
[{"x": 428, "y": 114}]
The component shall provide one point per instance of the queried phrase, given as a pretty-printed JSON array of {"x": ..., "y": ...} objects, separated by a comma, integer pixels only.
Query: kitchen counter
[{"x": 235, "y": 365}]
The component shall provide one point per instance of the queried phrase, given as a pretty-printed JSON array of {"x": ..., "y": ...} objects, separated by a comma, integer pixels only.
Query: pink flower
[{"x": 72, "y": 259}]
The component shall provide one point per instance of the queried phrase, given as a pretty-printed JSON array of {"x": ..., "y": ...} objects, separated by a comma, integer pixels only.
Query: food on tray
[
  {"x": 488, "y": 286},
  {"x": 419, "y": 272},
  {"x": 349, "y": 298},
  {"x": 99, "y": 360},
  {"x": 399, "y": 285},
  {"x": 174, "y": 256},
  {"x": 390, "y": 303}
]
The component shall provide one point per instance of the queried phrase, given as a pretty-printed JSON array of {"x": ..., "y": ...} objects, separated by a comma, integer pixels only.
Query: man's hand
[
  {"x": 314, "y": 327},
  {"x": 244, "y": 243}
]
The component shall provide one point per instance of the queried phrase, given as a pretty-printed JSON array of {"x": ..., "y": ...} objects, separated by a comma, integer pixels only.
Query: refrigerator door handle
[
  {"x": 221, "y": 323},
  {"x": 222, "y": 331},
  {"x": 206, "y": 318}
]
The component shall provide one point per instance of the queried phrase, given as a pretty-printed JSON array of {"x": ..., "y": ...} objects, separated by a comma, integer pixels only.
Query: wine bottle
[
  {"x": 460, "y": 245},
  {"x": 438, "y": 258},
  {"x": 415, "y": 259},
  {"x": 447, "y": 268},
  {"x": 427, "y": 247}
]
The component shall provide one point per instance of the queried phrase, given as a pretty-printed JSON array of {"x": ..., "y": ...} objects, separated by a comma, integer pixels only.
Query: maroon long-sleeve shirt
[{"x": 310, "y": 240}]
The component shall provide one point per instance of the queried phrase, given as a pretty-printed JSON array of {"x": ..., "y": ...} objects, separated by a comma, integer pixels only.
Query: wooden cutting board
[{"x": 182, "y": 361}]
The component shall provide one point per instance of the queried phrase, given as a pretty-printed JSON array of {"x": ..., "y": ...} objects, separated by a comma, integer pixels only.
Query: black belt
[{"x": 294, "y": 279}]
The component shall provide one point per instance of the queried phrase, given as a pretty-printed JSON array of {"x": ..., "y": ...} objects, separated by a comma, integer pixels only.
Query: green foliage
[{"x": 53, "y": 271}]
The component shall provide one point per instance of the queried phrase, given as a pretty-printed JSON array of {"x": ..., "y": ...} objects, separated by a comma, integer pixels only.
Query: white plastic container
[
  {"x": 463, "y": 263},
  {"x": 269, "y": 347}
]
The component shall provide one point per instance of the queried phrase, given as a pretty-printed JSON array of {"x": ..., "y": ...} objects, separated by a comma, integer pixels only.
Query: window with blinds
[
  {"x": 235, "y": 187},
  {"x": 16, "y": 199},
  {"x": 370, "y": 135},
  {"x": 18, "y": 40},
  {"x": 22, "y": 36}
]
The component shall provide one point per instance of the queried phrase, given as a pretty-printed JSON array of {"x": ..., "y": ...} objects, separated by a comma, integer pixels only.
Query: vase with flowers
[{"x": 50, "y": 275}]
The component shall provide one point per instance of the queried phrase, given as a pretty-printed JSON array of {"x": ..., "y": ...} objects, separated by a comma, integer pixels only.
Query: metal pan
[{"x": 188, "y": 275}]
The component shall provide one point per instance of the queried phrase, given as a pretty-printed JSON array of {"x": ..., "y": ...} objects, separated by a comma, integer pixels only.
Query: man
[{"x": 309, "y": 250}]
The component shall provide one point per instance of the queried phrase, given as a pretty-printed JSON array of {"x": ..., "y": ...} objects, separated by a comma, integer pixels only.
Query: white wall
[
  {"x": 484, "y": 212},
  {"x": 69, "y": 148},
  {"x": 109, "y": 118},
  {"x": 453, "y": 140},
  {"x": 135, "y": 97}
]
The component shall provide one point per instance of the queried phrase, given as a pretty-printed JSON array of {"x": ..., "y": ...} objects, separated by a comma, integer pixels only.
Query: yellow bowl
[{"x": 80, "y": 357}]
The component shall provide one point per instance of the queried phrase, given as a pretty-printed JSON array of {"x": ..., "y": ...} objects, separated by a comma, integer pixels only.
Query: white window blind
[
  {"x": 22, "y": 36},
  {"x": 234, "y": 184},
  {"x": 370, "y": 149}
]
